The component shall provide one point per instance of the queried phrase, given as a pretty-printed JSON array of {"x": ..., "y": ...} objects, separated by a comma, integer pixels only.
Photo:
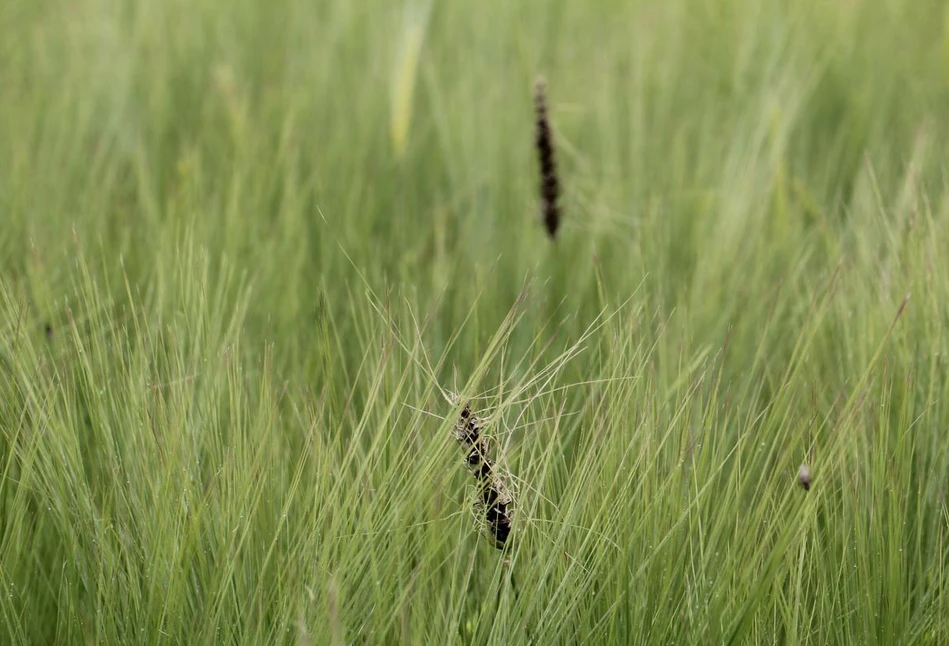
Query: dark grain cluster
[
  {"x": 494, "y": 500},
  {"x": 549, "y": 184}
]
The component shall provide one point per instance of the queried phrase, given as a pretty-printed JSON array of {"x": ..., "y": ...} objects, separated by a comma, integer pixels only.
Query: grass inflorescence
[
  {"x": 495, "y": 501},
  {"x": 544, "y": 141}
]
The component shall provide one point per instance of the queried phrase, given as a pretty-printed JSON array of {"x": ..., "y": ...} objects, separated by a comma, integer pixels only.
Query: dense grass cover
[{"x": 249, "y": 251}]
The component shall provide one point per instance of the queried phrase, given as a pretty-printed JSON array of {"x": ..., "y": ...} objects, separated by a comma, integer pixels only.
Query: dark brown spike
[
  {"x": 499, "y": 522},
  {"x": 478, "y": 455},
  {"x": 468, "y": 427},
  {"x": 549, "y": 184},
  {"x": 494, "y": 500}
]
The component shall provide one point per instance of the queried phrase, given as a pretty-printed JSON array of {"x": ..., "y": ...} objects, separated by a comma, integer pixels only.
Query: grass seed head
[
  {"x": 495, "y": 501},
  {"x": 549, "y": 183},
  {"x": 804, "y": 477}
]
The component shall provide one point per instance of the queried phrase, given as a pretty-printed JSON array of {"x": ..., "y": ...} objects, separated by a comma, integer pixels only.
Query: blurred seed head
[
  {"x": 544, "y": 142},
  {"x": 804, "y": 477}
]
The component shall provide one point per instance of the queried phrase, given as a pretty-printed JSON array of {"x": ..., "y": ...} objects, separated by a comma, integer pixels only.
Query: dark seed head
[
  {"x": 804, "y": 477},
  {"x": 468, "y": 427},
  {"x": 499, "y": 522},
  {"x": 544, "y": 141},
  {"x": 476, "y": 455},
  {"x": 494, "y": 501}
]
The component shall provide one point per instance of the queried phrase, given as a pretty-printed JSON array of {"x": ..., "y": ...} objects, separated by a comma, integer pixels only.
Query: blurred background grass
[{"x": 225, "y": 212}]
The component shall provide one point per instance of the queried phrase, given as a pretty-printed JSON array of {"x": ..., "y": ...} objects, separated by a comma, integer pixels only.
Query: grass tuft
[{"x": 243, "y": 244}]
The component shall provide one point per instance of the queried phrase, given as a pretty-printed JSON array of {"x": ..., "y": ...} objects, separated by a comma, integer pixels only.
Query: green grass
[{"x": 265, "y": 236}]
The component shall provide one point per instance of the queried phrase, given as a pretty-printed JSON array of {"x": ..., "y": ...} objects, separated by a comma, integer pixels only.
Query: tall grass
[{"x": 242, "y": 257}]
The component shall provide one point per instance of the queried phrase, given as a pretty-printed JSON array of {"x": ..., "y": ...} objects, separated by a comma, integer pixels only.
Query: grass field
[{"x": 249, "y": 249}]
